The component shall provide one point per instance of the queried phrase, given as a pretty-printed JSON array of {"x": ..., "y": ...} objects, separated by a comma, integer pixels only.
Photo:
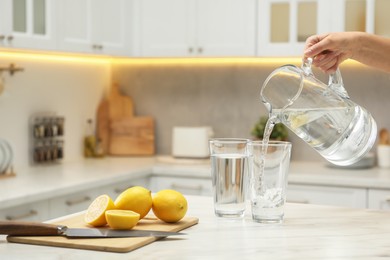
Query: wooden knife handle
[{"x": 25, "y": 228}]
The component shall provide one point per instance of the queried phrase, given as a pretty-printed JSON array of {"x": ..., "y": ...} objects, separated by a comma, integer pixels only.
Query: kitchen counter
[
  {"x": 308, "y": 232},
  {"x": 43, "y": 182}
]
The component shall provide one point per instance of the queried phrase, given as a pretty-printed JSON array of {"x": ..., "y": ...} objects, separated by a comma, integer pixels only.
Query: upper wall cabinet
[
  {"x": 195, "y": 28},
  {"x": 95, "y": 26},
  {"x": 371, "y": 16},
  {"x": 27, "y": 24},
  {"x": 284, "y": 25}
]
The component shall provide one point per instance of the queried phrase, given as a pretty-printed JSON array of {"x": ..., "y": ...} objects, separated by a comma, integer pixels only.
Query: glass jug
[{"x": 322, "y": 115}]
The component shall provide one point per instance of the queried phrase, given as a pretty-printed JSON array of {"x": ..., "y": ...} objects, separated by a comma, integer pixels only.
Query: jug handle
[
  {"x": 336, "y": 84},
  {"x": 335, "y": 81}
]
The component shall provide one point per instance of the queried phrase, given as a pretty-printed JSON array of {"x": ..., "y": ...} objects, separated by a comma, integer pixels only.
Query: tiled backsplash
[{"x": 226, "y": 96}]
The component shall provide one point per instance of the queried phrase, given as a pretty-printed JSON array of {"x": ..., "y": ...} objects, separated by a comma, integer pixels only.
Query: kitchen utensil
[
  {"x": 42, "y": 229},
  {"x": 102, "y": 125},
  {"x": 384, "y": 137},
  {"x": 191, "y": 142},
  {"x": 322, "y": 115},
  {"x": 6, "y": 155},
  {"x": 119, "y": 106},
  {"x": 132, "y": 136},
  {"x": 119, "y": 244}
]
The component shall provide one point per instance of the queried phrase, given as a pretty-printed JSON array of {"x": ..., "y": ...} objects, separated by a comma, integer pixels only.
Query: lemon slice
[
  {"x": 122, "y": 219},
  {"x": 95, "y": 215}
]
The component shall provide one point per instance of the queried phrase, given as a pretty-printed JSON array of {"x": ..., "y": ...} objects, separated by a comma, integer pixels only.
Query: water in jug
[{"x": 322, "y": 115}]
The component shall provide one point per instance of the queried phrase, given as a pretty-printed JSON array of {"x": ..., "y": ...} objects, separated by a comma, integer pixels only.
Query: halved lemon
[
  {"x": 122, "y": 219},
  {"x": 95, "y": 215}
]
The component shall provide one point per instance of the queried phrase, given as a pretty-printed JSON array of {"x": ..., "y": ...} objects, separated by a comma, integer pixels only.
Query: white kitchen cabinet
[
  {"x": 284, "y": 25},
  {"x": 379, "y": 199},
  {"x": 95, "y": 26},
  {"x": 326, "y": 195},
  {"x": 187, "y": 186},
  {"x": 71, "y": 203},
  {"x": 193, "y": 28},
  {"x": 37, "y": 211},
  {"x": 28, "y": 24},
  {"x": 363, "y": 15},
  {"x": 113, "y": 190}
]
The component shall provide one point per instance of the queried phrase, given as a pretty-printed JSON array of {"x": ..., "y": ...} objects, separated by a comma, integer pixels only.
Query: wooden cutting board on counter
[
  {"x": 119, "y": 245},
  {"x": 120, "y": 131}
]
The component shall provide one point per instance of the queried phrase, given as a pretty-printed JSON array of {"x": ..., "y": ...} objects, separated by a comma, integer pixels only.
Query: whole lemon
[
  {"x": 137, "y": 199},
  {"x": 169, "y": 205}
]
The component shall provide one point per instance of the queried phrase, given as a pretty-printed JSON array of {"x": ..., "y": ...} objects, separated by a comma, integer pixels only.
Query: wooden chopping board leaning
[{"x": 121, "y": 132}]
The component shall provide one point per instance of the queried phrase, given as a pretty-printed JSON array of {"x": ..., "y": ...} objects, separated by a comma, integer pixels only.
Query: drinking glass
[
  {"x": 230, "y": 172},
  {"x": 268, "y": 181}
]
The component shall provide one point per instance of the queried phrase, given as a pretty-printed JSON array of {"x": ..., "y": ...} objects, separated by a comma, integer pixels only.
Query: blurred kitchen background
[{"x": 183, "y": 62}]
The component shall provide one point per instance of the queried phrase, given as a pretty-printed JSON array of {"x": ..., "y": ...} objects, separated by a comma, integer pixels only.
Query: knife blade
[{"x": 24, "y": 228}]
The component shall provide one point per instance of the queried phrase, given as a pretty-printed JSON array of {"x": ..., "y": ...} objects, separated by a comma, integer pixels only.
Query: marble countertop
[
  {"x": 44, "y": 182},
  {"x": 308, "y": 232}
]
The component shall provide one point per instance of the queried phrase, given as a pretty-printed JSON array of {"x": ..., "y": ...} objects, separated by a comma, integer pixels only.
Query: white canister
[{"x": 383, "y": 154}]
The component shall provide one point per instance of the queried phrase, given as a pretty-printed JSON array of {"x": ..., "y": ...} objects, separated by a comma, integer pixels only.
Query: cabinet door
[
  {"x": 284, "y": 25},
  {"x": 187, "y": 186},
  {"x": 72, "y": 203},
  {"x": 113, "y": 190},
  {"x": 74, "y": 26},
  {"x": 337, "y": 196},
  {"x": 379, "y": 199},
  {"x": 37, "y": 211},
  {"x": 225, "y": 28},
  {"x": 165, "y": 28},
  {"x": 111, "y": 26},
  {"x": 28, "y": 24}
]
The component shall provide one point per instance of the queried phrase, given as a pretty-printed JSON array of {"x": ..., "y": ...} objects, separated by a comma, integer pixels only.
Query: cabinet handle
[
  {"x": 2, "y": 37},
  {"x": 23, "y": 216},
  {"x": 190, "y": 50},
  {"x": 94, "y": 46},
  {"x": 10, "y": 38},
  {"x": 77, "y": 201},
  {"x": 299, "y": 201},
  {"x": 186, "y": 187},
  {"x": 200, "y": 50}
]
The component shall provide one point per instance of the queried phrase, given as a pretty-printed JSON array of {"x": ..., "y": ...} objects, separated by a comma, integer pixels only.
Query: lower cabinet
[
  {"x": 326, "y": 195},
  {"x": 187, "y": 186},
  {"x": 113, "y": 190},
  {"x": 37, "y": 211},
  {"x": 71, "y": 203},
  {"x": 379, "y": 199}
]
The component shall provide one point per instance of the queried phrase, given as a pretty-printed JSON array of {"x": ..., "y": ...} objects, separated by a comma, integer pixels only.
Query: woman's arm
[{"x": 330, "y": 50}]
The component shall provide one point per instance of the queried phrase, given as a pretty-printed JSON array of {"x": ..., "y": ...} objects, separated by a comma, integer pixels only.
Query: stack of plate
[{"x": 6, "y": 156}]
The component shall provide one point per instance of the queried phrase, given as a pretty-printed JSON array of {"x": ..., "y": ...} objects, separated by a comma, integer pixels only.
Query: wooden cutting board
[
  {"x": 119, "y": 106},
  {"x": 119, "y": 245},
  {"x": 132, "y": 136}
]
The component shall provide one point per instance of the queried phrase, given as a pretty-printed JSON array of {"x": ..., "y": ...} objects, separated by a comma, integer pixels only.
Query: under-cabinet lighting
[
  {"x": 90, "y": 58},
  {"x": 55, "y": 57}
]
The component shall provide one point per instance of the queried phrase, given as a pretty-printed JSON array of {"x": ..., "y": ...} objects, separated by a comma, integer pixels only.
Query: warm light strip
[
  {"x": 89, "y": 58},
  {"x": 55, "y": 57},
  {"x": 205, "y": 61}
]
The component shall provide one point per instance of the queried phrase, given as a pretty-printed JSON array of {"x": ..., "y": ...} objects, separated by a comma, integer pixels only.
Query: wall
[
  {"x": 225, "y": 95},
  {"x": 70, "y": 87}
]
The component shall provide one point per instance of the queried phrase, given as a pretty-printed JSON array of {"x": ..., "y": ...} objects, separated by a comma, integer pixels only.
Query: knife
[{"x": 21, "y": 228}]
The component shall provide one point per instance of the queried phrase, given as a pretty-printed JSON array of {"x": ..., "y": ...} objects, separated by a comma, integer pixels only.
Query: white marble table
[{"x": 308, "y": 232}]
